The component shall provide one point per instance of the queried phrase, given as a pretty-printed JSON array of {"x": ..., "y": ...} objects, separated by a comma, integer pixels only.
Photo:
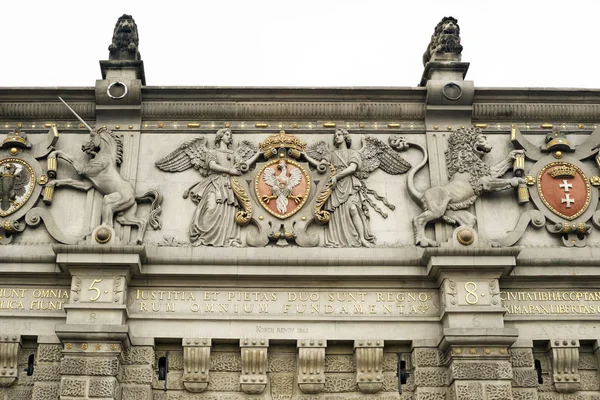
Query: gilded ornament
[{"x": 42, "y": 179}]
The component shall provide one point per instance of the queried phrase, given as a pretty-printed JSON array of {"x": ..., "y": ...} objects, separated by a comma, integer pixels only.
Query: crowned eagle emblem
[
  {"x": 282, "y": 185},
  {"x": 13, "y": 182}
]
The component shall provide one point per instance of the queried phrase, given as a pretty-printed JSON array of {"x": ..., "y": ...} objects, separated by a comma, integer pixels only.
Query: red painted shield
[
  {"x": 564, "y": 189},
  {"x": 282, "y": 187}
]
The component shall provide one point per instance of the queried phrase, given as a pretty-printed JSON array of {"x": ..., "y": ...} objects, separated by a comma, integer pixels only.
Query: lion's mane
[
  {"x": 462, "y": 158},
  {"x": 125, "y": 40},
  {"x": 442, "y": 41}
]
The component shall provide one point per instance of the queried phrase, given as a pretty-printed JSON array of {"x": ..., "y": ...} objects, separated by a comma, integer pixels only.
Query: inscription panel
[
  {"x": 283, "y": 303},
  {"x": 28, "y": 299},
  {"x": 550, "y": 302}
]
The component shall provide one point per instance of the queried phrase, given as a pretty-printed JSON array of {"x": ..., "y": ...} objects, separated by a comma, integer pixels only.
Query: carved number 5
[{"x": 96, "y": 289}]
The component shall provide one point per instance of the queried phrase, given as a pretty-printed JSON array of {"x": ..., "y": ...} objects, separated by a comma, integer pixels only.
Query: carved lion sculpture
[
  {"x": 469, "y": 177},
  {"x": 125, "y": 40},
  {"x": 445, "y": 39}
]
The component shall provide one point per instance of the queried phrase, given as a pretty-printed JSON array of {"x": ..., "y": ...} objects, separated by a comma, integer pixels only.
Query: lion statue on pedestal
[
  {"x": 125, "y": 40},
  {"x": 445, "y": 39},
  {"x": 468, "y": 176}
]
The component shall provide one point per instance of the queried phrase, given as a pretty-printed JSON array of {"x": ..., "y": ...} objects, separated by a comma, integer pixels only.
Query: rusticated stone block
[
  {"x": 498, "y": 391},
  {"x": 73, "y": 387},
  {"x": 226, "y": 362},
  {"x": 521, "y": 358},
  {"x": 136, "y": 374},
  {"x": 174, "y": 381},
  {"x": 47, "y": 372},
  {"x": 468, "y": 390},
  {"x": 49, "y": 353},
  {"x": 97, "y": 366},
  {"x": 551, "y": 396},
  {"x": 431, "y": 377},
  {"x": 103, "y": 387},
  {"x": 390, "y": 382},
  {"x": 339, "y": 383},
  {"x": 525, "y": 378},
  {"x": 19, "y": 393},
  {"x": 282, "y": 363},
  {"x": 136, "y": 393},
  {"x": 138, "y": 355},
  {"x": 175, "y": 359},
  {"x": 588, "y": 361},
  {"x": 282, "y": 386},
  {"x": 424, "y": 357},
  {"x": 46, "y": 391},
  {"x": 224, "y": 382},
  {"x": 589, "y": 380},
  {"x": 339, "y": 363},
  {"x": 430, "y": 394},
  {"x": 525, "y": 394},
  {"x": 490, "y": 370}
]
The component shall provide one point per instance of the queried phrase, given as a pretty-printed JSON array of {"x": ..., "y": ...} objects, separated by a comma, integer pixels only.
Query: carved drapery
[
  {"x": 254, "y": 365},
  {"x": 10, "y": 345},
  {"x": 565, "y": 365},
  {"x": 369, "y": 365},
  {"x": 196, "y": 364},
  {"x": 311, "y": 365}
]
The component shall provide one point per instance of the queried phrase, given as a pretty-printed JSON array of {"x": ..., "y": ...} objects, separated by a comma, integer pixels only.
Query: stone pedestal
[
  {"x": 96, "y": 330},
  {"x": 475, "y": 345}
]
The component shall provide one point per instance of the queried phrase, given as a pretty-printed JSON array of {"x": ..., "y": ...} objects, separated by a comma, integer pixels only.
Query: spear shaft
[{"x": 73, "y": 111}]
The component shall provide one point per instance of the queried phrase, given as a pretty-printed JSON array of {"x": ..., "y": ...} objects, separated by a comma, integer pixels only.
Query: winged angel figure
[
  {"x": 214, "y": 221},
  {"x": 350, "y": 199}
]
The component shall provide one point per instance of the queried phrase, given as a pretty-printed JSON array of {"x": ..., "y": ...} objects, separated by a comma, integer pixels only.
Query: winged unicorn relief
[
  {"x": 221, "y": 203},
  {"x": 349, "y": 197}
]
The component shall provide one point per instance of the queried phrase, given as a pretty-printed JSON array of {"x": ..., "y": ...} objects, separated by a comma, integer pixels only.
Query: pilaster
[
  {"x": 311, "y": 365},
  {"x": 475, "y": 342},
  {"x": 136, "y": 372},
  {"x": 430, "y": 375},
  {"x": 525, "y": 377},
  {"x": 47, "y": 377}
]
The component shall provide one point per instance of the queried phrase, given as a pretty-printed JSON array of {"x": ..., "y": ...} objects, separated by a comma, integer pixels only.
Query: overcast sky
[{"x": 509, "y": 43}]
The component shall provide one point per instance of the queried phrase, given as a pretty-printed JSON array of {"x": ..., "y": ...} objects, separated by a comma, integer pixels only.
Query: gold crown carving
[
  {"x": 282, "y": 139},
  {"x": 15, "y": 138},
  {"x": 563, "y": 172}
]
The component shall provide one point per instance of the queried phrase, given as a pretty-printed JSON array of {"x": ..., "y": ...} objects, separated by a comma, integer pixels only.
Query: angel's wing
[
  {"x": 244, "y": 151},
  {"x": 295, "y": 178},
  {"x": 21, "y": 179},
  {"x": 377, "y": 154},
  {"x": 319, "y": 151},
  {"x": 269, "y": 177},
  {"x": 192, "y": 153}
]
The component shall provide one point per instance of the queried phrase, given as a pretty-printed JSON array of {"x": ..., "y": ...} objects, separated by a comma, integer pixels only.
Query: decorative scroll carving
[
  {"x": 10, "y": 345},
  {"x": 196, "y": 364},
  {"x": 254, "y": 365},
  {"x": 311, "y": 365},
  {"x": 101, "y": 173},
  {"x": 565, "y": 365},
  {"x": 469, "y": 177},
  {"x": 369, "y": 365}
]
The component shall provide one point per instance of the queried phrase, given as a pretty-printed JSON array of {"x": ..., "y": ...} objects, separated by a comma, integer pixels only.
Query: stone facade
[{"x": 305, "y": 244}]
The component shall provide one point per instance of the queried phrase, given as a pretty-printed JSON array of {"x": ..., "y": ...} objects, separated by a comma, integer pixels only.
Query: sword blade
[{"x": 74, "y": 113}]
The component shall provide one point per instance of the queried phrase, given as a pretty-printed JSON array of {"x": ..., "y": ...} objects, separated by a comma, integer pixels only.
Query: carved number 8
[{"x": 471, "y": 297}]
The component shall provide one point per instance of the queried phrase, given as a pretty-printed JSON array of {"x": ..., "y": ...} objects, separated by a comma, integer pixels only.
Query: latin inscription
[
  {"x": 285, "y": 303},
  {"x": 33, "y": 299},
  {"x": 551, "y": 302}
]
